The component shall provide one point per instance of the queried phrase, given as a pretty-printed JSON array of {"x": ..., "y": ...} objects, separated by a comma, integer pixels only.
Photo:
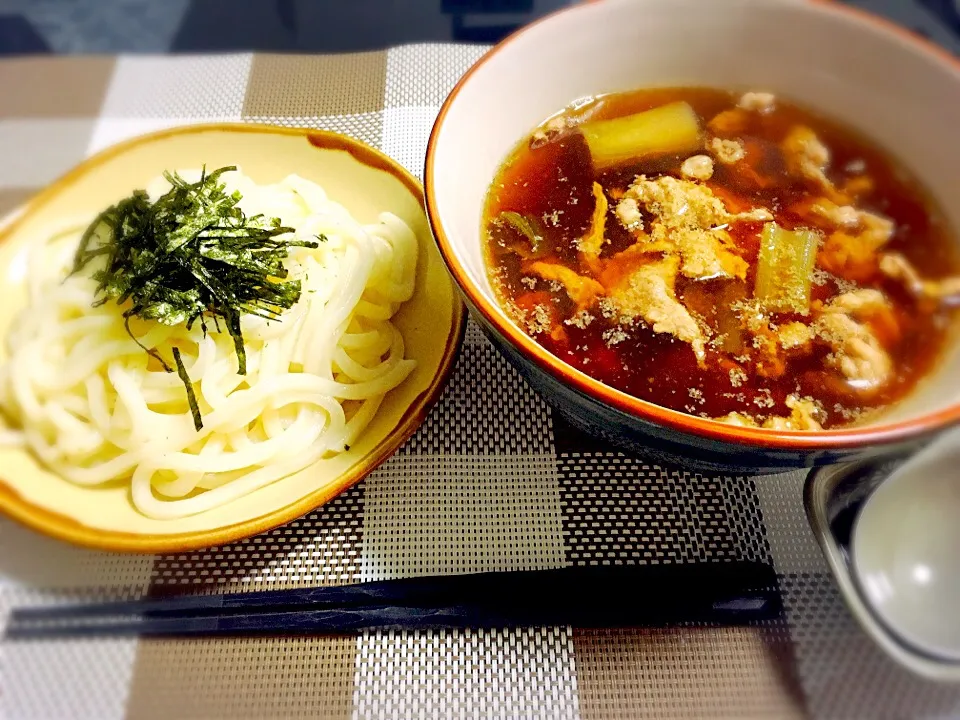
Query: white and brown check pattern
[{"x": 492, "y": 480}]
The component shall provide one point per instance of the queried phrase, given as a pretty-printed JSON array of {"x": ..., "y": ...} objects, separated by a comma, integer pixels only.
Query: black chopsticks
[{"x": 596, "y": 596}]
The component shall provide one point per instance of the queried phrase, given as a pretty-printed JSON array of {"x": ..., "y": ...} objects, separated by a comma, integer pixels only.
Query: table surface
[
  {"x": 309, "y": 26},
  {"x": 492, "y": 481}
]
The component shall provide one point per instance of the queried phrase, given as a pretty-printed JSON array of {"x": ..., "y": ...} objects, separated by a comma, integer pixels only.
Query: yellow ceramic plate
[{"x": 362, "y": 179}]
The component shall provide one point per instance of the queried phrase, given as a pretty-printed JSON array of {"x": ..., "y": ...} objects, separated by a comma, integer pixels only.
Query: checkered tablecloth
[{"x": 492, "y": 481}]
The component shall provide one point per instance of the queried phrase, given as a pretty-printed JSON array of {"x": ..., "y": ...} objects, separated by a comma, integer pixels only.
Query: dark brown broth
[{"x": 553, "y": 182}]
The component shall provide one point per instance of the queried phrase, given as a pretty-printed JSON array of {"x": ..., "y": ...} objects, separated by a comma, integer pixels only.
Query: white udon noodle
[{"x": 96, "y": 409}]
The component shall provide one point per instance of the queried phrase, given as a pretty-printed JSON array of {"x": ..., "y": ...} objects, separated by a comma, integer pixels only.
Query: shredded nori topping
[{"x": 191, "y": 255}]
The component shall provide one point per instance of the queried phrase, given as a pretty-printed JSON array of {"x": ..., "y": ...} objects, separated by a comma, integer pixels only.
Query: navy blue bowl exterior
[{"x": 651, "y": 440}]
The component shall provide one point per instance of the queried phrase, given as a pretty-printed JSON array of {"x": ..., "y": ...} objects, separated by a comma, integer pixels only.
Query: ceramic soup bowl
[{"x": 896, "y": 89}]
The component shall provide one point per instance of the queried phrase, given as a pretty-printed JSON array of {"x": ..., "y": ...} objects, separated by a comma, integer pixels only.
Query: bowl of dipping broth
[{"x": 715, "y": 233}]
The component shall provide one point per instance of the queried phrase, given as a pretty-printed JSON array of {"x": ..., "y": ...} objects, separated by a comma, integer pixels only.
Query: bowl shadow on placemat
[
  {"x": 626, "y": 508},
  {"x": 35, "y": 565},
  {"x": 322, "y": 547},
  {"x": 708, "y": 672},
  {"x": 569, "y": 437}
]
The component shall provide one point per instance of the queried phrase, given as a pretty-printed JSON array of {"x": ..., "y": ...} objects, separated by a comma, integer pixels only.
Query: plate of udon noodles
[{"x": 212, "y": 330}]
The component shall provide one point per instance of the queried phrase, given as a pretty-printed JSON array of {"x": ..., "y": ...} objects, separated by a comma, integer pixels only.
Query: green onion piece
[
  {"x": 784, "y": 269},
  {"x": 667, "y": 130},
  {"x": 526, "y": 226}
]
